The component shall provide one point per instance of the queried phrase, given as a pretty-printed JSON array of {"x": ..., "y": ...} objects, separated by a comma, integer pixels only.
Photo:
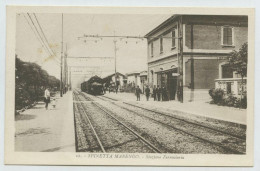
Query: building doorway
[
  {"x": 167, "y": 80},
  {"x": 171, "y": 85}
]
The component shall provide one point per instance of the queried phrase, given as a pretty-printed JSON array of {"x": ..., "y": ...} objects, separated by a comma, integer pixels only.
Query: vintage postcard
[{"x": 152, "y": 86}]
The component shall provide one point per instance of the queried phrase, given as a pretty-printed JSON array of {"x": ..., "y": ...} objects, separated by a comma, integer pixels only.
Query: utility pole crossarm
[
  {"x": 126, "y": 37},
  {"x": 71, "y": 57}
]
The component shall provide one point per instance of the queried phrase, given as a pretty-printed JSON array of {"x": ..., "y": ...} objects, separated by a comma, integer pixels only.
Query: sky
[{"x": 131, "y": 53}]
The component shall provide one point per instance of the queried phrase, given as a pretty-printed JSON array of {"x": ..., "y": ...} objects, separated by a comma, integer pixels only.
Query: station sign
[{"x": 175, "y": 74}]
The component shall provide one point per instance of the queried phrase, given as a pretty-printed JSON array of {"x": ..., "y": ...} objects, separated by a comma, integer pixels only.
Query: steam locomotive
[{"x": 93, "y": 86}]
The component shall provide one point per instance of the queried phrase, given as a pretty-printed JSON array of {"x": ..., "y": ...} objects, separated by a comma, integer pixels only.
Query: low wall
[{"x": 196, "y": 95}]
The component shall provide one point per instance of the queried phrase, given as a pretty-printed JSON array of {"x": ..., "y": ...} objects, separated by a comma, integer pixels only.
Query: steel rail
[
  {"x": 155, "y": 149},
  {"x": 181, "y": 130},
  {"x": 75, "y": 127},
  {"x": 183, "y": 120},
  {"x": 131, "y": 130},
  {"x": 172, "y": 127},
  {"x": 92, "y": 128}
]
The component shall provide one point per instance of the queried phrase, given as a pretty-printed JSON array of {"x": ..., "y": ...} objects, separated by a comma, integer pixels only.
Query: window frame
[
  {"x": 173, "y": 38},
  {"x": 151, "y": 50},
  {"x": 161, "y": 44},
  {"x": 222, "y": 36}
]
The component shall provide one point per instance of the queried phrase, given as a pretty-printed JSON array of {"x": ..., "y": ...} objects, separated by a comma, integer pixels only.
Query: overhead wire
[
  {"x": 43, "y": 34},
  {"x": 54, "y": 54},
  {"x": 41, "y": 38},
  {"x": 39, "y": 34},
  {"x": 35, "y": 34}
]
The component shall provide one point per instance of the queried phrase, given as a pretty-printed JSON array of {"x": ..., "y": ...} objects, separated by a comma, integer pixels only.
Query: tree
[
  {"x": 238, "y": 62},
  {"x": 30, "y": 82}
]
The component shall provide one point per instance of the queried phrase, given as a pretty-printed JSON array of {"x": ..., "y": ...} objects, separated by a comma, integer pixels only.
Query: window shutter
[
  {"x": 173, "y": 38},
  {"x": 152, "y": 49},
  {"x": 227, "y": 36},
  {"x": 161, "y": 44}
]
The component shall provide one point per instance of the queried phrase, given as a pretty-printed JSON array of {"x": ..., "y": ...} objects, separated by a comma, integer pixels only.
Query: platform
[
  {"x": 41, "y": 130},
  {"x": 200, "y": 107}
]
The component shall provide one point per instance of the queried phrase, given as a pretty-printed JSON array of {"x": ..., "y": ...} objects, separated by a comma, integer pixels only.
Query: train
[{"x": 93, "y": 86}]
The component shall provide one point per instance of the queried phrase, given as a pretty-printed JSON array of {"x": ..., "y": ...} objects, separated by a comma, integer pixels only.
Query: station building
[
  {"x": 134, "y": 78},
  {"x": 110, "y": 79},
  {"x": 206, "y": 42}
]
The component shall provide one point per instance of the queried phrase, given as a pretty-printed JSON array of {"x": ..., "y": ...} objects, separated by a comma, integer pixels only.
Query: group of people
[
  {"x": 158, "y": 93},
  {"x": 110, "y": 88}
]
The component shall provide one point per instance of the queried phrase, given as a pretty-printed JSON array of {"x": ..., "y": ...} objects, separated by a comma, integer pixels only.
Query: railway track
[
  {"x": 104, "y": 144},
  {"x": 230, "y": 132},
  {"x": 79, "y": 138},
  {"x": 232, "y": 144}
]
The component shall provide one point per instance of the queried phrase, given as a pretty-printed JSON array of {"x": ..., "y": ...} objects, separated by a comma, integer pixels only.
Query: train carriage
[{"x": 93, "y": 86}]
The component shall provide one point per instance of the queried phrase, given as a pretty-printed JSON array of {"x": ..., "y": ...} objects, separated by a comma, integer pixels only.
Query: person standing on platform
[
  {"x": 104, "y": 89},
  {"x": 154, "y": 93},
  {"x": 147, "y": 93},
  {"x": 109, "y": 88},
  {"x": 116, "y": 89},
  {"x": 164, "y": 94},
  {"x": 159, "y": 91},
  {"x": 138, "y": 91},
  {"x": 47, "y": 98}
]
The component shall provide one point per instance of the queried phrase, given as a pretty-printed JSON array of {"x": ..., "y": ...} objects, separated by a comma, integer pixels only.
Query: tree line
[{"x": 30, "y": 82}]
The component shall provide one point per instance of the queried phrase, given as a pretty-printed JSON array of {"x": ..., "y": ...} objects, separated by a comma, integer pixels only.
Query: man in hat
[{"x": 138, "y": 91}]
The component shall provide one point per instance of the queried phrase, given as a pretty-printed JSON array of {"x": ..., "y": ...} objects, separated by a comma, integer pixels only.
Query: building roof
[
  {"x": 228, "y": 18},
  {"x": 161, "y": 25},
  {"x": 133, "y": 73},
  {"x": 111, "y": 75},
  {"x": 143, "y": 73}
]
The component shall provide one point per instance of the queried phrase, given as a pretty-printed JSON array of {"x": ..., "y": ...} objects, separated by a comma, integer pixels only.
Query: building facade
[
  {"x": 133, "y": 78},
  {"x": 203, "y": 42},
  {"x": 110, "y": 79},
  {"x": 143, "y": 80}
]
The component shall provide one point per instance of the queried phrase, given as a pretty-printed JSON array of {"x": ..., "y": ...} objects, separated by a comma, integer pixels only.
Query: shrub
[
  {"x": 244, "y": 101},
  {"x": 231, "y": 101},
  {"x": 217, "y": 95}
]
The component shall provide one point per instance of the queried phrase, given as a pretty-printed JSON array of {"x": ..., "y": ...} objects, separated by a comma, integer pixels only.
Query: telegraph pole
[
  {"x": 115, "y": 61},
  {"x": 61, "y": 61},
  {"x": 70, "y": 77},
  {"x": 66, "y": 70}
]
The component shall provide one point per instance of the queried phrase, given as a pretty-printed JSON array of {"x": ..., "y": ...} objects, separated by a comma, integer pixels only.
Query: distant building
[
  {"x": 110, "y": 79},
  {"x": 143, "y": 79},
  {"x": 207, "y": 40},
  {"x": 133, "y": 78}
]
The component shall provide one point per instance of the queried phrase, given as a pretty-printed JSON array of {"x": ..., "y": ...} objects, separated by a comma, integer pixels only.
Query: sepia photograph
[{"x": 129, "y": 86}]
